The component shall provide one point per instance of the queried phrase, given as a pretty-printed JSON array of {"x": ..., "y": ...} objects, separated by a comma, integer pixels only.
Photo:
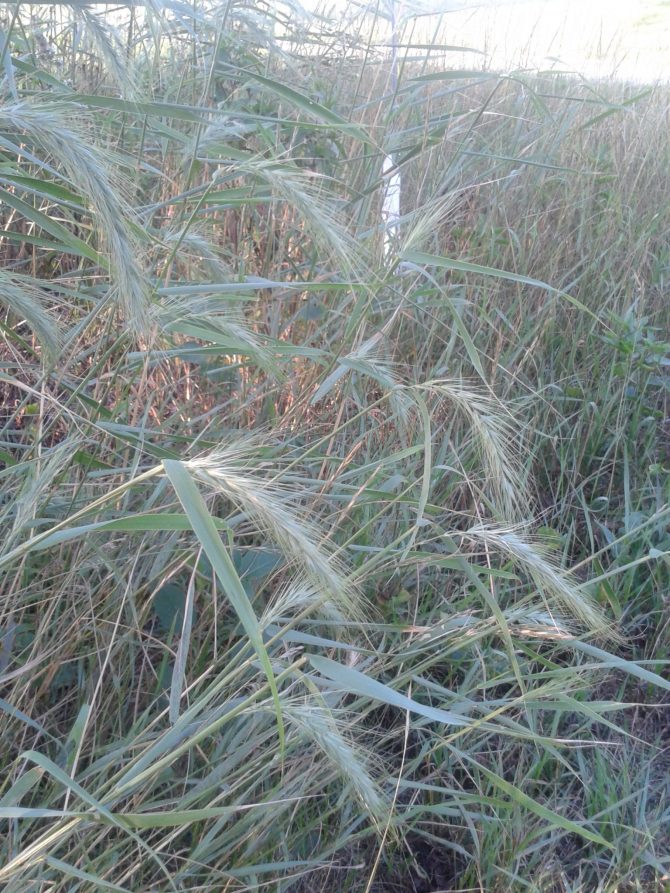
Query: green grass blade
[
  {"x": 627, "y": 666},
  {"x": 74, "y": 872},
  {"x": 358, "y": 683},
  {"x": 553, "y": 818},
  {"x": 461, "y": 266},
  {"x": 206, "y": 531}
]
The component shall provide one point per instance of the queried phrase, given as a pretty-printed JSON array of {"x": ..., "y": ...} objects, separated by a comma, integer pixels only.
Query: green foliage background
[{"x": 334, "y": 551}]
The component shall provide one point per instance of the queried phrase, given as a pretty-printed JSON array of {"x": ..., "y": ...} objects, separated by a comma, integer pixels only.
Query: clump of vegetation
[{"x": 335, "y": 543}]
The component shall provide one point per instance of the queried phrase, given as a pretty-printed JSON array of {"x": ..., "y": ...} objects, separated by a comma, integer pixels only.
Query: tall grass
[{"x": 335, "y": 548}]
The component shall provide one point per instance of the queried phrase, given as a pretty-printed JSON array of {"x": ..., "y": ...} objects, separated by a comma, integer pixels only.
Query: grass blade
[{"x": 205, "y": 529}]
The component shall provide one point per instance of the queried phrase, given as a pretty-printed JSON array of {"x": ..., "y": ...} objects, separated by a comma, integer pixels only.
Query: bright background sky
[{"x": 599, "y": 38}]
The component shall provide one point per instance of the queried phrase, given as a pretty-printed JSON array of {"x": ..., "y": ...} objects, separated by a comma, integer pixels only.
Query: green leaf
[
  {"x": 132, "y": 524},
  {"x": 310, "y": 106},
  {"x": 76, "y": 732},
  {"x": 205, "y": 529},
  {"x": 68, "y": 241},
  {"x": 6, "y": 707},
  {"x": 533, "y": 806},
  {"x": 168, "y": 605},
  {"x": 448, "y": 263},
  {"x": 453, "y": 75},
  {"x": 71, "y": 871},
  {"x": 179, "y": 671},
  {"x": 358, "y": 683},
  {"x": 620, "y": 663},
  {"x": 22, "y": 786},
  {"x": 99, "y": 808}
]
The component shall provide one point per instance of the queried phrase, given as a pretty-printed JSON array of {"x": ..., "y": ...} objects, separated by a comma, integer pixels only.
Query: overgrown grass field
[{"x": 335, "y": 543}]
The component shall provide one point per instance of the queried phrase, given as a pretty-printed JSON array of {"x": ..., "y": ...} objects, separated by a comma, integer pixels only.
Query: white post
[{"x": 391, "y": 200}]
